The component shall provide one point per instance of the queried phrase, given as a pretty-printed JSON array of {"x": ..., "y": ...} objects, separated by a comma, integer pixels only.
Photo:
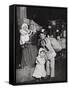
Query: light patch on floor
[{"x": 24, "y": 74}]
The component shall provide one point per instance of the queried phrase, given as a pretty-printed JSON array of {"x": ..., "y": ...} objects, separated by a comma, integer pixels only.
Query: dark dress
[{"x": 29, "y": 52}]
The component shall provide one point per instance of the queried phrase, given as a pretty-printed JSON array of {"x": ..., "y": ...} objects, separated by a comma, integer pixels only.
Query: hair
[
  {"x": 42, "y": 33},
  {"x": 43, "y": 51}
]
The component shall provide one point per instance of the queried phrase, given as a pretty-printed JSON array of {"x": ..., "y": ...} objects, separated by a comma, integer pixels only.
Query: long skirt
[{"x": 29, "y": 54}]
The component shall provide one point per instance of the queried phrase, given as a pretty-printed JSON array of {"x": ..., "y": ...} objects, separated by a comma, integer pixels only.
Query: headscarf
[{"x": 42, "y": 49}]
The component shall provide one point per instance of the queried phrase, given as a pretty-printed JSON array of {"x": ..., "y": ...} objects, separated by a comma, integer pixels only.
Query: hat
[
  {"x": 42, "y": 49},
  {"x": 43, "y": 31}
]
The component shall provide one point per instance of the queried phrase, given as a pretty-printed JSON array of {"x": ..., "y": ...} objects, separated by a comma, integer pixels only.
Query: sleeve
[
  {"x": 46, "y": 58},
  {"x": 48, "y": 45},
  {"x": 37, "y": 60}
]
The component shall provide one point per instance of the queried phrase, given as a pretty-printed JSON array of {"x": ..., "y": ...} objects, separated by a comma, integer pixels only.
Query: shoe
[
  {"x": 38, "y": 79},
  {"x": 42, "y": 78},
  {"x": 48, "y": 77},
  {"x": 52, "y": 79}
]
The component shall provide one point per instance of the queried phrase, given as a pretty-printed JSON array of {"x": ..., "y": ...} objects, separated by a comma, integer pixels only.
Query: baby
[
  {"x": 25, "y": 33},
  {"x": 40, "y": 71}
]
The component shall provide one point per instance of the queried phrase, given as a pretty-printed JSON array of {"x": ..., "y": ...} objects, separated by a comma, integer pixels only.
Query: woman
[{"x": 29, "y": 52}]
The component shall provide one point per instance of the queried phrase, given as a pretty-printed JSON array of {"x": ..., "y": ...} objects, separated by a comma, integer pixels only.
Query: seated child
[{"x": 40, "y": 71}]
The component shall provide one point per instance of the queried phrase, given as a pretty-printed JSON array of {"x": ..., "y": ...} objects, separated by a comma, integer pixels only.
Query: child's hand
[{"x": 37, "y": 61}]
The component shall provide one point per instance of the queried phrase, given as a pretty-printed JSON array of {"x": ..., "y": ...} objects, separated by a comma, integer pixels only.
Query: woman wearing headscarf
[{"x": 29, "y": 49}]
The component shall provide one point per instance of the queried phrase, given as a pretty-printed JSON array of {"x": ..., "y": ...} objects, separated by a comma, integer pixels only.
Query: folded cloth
[{"x": 62, "y": 42}]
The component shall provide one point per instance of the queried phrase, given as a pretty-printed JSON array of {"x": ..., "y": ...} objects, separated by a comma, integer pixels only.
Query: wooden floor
[{"x": 23, "y": 75}]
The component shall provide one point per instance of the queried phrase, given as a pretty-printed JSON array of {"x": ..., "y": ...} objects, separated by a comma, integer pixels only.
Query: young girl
[
  {"x": 25, "y": 33},
  {"x": 40, "y": 64}
]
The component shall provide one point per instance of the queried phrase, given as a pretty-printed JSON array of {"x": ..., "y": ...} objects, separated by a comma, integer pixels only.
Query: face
[
  {"x": 51, "y": 36},
  {"x": 25, "y": 28},
  {"x": 42, "y": 54},
  {"x": 42, "y": 36},
  {"x": 58, "y": 37},
  {"x": 31, "y": 27}
]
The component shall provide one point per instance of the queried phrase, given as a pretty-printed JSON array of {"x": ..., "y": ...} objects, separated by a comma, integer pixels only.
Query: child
[
  {"x": 25, "y": 33},
  {"x": 40, "y": 71}
]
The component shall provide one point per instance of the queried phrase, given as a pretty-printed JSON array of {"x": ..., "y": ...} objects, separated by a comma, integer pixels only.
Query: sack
[{"x": 55, "y": 44}]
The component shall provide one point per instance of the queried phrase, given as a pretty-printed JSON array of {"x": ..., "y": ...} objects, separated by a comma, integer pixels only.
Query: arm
[
  {"x": 37, "y": 60},
  {"x": 46, "y": 58},
  {"x": 30, "y": 32},
  {"x": 43, "y": 43}
]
